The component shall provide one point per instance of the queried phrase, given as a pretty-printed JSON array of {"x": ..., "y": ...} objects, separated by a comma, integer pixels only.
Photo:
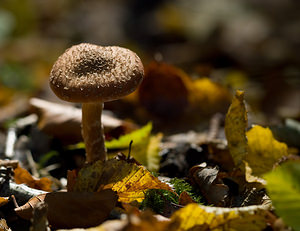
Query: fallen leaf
[
  {"x": 164, "y": 91},
  {"x": 22, "y": 176},
  {"x": 208, "y": 96},
  {"x": 194, "y": 217},
  {"x": 235, "y": 128},
  {"x": 64, "y": 121},
  {"x": 185, "y": 198},
  {"x": 197, "y": 217},
  {"x": 73, "y": 209},
  {"x": 210, "y": 184},
  {"x": 128, "y": 179},
  {"x": 263, "y": 150},
  {"x": 137, "y": 137},
  {"x": 283, "y": 186}
]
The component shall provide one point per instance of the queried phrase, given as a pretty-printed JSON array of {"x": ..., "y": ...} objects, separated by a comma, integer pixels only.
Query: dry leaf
[
  {"x": 185, "y": 198},
  {"x": 263, "y": 150},
  {"x": 193, "y": 217},
  {"x": 64, "y": 121},
  {"x": 73, "y": 209},
  {"x": 128, "y": 179},
  {"x": 210, "y": 184},
  {"x": 22, "y": 176},
  {"x": 235, "y": 127},
  {"x": 197, "y": 217},
  {"x": 164, "y": 91}
]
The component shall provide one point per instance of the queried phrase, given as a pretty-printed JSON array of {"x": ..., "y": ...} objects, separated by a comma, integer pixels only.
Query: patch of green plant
[
  {"x": 181, "y": 185},
  {"x": 156, "y": 199}
]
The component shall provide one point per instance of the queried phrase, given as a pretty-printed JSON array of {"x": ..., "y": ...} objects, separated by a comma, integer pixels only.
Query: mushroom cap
[{"x": 90, "y": 73}]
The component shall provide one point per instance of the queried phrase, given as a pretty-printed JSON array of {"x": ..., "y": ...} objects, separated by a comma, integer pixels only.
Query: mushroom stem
[{"x": 92, "y": 132}]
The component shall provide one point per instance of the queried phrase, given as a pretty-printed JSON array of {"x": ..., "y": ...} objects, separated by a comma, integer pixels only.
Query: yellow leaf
[
  {"x": 197, "y": 217},
  {"x": 263, "y": 150},
  {"x": 129, "y": 180},
  {"x": 235, "y": 128},
  {"x": 208, "y": 96}
]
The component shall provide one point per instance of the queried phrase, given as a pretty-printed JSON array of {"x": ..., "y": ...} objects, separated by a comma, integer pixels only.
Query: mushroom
[{"x": 91, "y": 75}]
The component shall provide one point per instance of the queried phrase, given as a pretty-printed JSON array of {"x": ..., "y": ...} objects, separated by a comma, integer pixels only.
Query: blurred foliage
[
  {"x": 284, "y": 189},
  {"x": 251, "y": 45}
]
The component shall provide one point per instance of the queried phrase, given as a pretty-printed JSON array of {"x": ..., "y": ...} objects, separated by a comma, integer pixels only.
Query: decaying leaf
[
  {"x": 194, "y": 217},
  {"x": 210, "y": 184},
  {"x": 64, "y": 121},
  {"x": 73, "y": 209},
  {"x": 128, "y": 179},
  {"x": 235, "y": 128},
  {"x": 197, "y": 217},
  {"x": 283, "y": 185},
  {"x": 263, "y": 150},
  {"x": 22, "y": 176},
  {"x": 185, "y": 198}
]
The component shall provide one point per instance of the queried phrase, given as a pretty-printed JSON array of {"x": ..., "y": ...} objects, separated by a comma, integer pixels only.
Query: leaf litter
[{"x": 229, "y": 178}]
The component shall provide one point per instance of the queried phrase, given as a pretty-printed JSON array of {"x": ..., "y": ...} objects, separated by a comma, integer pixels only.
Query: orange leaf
[{"x": 22, "y": 176}]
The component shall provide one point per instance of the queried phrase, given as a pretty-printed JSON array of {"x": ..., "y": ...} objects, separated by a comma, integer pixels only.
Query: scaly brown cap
[{"x": 89, "y": 73}]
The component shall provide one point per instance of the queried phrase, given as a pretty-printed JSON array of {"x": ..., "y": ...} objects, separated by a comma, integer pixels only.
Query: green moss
[
  {"x": 181, "y": 185},
  {"x": 157, "y": 199}
]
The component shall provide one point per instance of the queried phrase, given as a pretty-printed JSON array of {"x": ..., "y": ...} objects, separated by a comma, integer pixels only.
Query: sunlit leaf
[
  {"x": 283, "y": 185},
  {"x": 197, "y": 217},
  {"x": 145, "y": 148},
  {"x": 209, "y": 96},
  {"x": 21, "y": 176},
  {"x": 137, "y": 136},
  {"x": 128, "y": 179},
  {"x": 263, "y": 150},
  {"x": 235, "y": 128}
]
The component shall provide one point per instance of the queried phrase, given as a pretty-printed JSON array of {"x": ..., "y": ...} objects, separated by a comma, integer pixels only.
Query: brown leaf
[
  {"x": 164, "y": 91},
  {"x": 22, "y": 176},
  {"x": 64, "y": 121},
  {"x": 185, "y": 198},
  {"x": 73, "y": 209},
  {"x": 210, "y": 184}
]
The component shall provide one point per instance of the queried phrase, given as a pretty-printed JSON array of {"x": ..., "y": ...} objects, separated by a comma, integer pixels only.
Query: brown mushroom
[{"x": 91, "y": 74}]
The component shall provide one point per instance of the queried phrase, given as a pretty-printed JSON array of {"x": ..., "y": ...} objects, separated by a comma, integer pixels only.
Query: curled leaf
[{"x": 235, "y": 128}]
